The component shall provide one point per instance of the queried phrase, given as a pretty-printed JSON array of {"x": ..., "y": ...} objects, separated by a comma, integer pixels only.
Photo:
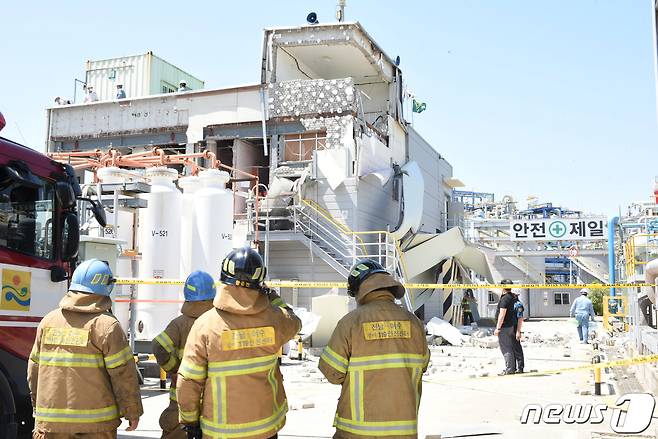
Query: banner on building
[{"x": 558, "y": 229}]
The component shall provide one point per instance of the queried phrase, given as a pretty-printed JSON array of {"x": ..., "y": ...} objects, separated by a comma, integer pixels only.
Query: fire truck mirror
[
  {"x": 97, "y": 210},
  {"x": 65, "y": 195},
  {"x": 70, "y": 237},
  {"x": 57, "y": 274}
]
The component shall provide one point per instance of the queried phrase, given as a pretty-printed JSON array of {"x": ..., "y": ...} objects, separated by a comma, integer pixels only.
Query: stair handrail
[
  {"x": 309, "y": 229},
  {"x": 313, "y": 205}
]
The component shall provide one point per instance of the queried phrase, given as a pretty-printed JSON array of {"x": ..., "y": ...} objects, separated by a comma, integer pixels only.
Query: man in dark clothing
[{"x": 505, "y": 327}]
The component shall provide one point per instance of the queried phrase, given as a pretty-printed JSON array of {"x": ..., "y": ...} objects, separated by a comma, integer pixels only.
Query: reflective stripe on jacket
[
  {"x": 81, "y": 372},
  {"x": 229, "y": 379},
  {"x": 378, "y": 353},
  {"x": 169, "y": 344}
]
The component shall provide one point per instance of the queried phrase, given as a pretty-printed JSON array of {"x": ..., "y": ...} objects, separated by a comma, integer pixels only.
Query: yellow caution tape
[
  {"x": 616, "y": 363},
  {"x": 409, "y": 286},
  {"x": 134, "y": 281}
]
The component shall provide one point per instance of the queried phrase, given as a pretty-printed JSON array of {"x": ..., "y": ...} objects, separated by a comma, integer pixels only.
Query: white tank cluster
[{"x": 180, "y": 233}]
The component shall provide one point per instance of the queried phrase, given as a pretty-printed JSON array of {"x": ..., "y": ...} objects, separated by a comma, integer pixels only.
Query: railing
[
  {"x": 346, "y": 246},
  {"x": 640, "y": 254}
]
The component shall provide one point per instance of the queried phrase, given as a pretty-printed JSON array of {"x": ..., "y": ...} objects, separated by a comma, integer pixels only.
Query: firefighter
[
  {"x": 199, "y": 291},
  {"x": 81, "y": 371},
  {"x": 229, "y": 382},
  {"x": 378, "y": 353}
]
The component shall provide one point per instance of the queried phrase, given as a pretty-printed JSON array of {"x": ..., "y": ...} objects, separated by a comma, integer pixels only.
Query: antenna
[{"x": 340, "y": 10}]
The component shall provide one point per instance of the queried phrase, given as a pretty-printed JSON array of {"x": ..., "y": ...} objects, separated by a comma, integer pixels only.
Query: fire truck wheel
[{"x": 8, "y": 427}]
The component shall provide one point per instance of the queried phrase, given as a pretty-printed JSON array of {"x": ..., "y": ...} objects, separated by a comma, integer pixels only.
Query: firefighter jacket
[
  {"x": 81, "y": 371},
  {"x": 229, "y": 379},
  {"x": 168, "y": 345},
  {"x": 378, "y": 353}
]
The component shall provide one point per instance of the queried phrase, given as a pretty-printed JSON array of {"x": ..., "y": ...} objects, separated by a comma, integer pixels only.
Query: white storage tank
[
  {"x": 160, "y": 248},
  {"x": 213, "y": 206},
  {"x": 190, "y": 256},
  {"x": 124, "y": 232}
]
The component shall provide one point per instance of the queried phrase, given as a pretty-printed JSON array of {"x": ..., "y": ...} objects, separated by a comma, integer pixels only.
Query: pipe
[
  {"x": 612, "y": 224},
  {"x": 263, "y": 110},
  {"x": 650, "y": 277}
]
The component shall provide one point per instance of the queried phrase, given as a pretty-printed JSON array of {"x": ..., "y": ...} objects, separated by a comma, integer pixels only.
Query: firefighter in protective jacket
[
  {"x": 199, "y": 291},
  {"x": 229, "y": 382},
  {"x": 378, "y": 353},
  {"x": 81, "y": 371}
]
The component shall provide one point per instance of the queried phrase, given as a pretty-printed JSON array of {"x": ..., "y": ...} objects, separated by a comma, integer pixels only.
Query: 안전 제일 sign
[{"x": 558, "y": 229}]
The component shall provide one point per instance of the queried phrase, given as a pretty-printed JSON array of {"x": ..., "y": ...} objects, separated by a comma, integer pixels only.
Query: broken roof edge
[
  {"x": 354, "y": 24},
  {"x": 178, "y": 94}
]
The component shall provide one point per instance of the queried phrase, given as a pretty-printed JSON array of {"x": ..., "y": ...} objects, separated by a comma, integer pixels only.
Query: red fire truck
[{"x": 39, "y": 235}]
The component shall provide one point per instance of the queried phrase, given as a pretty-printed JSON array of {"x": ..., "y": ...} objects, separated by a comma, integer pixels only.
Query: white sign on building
[{"x": 558, "y": 229}]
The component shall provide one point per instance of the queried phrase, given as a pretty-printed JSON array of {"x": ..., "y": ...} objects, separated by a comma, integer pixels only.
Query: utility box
[
  {"x": 140, "y": 75},
  {"x": 105, "y": 249}
]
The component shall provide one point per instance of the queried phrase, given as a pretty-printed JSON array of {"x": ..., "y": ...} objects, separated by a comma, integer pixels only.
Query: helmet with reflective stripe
[
  {"x": 359, "y": 272},
  {"x": 243, "y": 267},
  {"x": 93, "y": 276},
  {"x": 199, "y": 286}
]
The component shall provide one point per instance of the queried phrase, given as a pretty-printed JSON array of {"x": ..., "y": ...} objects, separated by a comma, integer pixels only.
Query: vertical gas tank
[
  {"x": 189, "y": 258},
  {"x": 213, "y": 207},
  {"x": 160, "y": 248}
]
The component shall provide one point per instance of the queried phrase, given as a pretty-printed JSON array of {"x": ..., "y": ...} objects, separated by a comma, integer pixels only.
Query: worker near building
[
  {"x": 81, "y": 372},
  {"x": 199, "y": 291},
  {"x": 182, "y": 86},
  {"x": 229, "y": 382},
  {"x": 378, "y": 354},
  {"x": 582, "y": 309},
  {"x": 62, "y": 101},
  {"x": 519, "y": 358},
  {"x": 121, "y": 93},
  {"x": 507, "y": 329},
  {"x": 91, "y": 95},
  {"x": 467, "y": 314}
]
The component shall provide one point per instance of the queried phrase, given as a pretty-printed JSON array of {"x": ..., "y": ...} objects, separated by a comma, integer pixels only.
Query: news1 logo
[{"x": 635, "y": 419}]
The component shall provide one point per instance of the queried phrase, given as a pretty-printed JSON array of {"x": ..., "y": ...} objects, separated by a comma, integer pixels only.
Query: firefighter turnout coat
[
  {"x": 378, "y": 353},
  {"x": 168, "y": 350},
  {"x": 81, "y": 371},
  {"x": 229, "y": 379}
]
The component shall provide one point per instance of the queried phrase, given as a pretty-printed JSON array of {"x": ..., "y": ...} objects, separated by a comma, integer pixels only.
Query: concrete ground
[{"x": 462, "y": 394}]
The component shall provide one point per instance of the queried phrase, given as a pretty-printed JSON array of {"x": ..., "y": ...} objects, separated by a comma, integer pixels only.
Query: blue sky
[{"x": 554, "y": 99}]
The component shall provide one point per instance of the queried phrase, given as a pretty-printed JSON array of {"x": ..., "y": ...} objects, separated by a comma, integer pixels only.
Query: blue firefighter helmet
[
  {"x": 199, "y": 286},
  {"x": 93, "y": 276}
]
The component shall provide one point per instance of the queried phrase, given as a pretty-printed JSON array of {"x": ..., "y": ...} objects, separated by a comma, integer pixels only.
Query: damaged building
[{"x": 341, "y": 172}]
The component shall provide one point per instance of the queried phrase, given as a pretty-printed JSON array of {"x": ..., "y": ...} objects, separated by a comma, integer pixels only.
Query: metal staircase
[
  {"x": 590, "y": 266},
  {"x": 340, "y": 247},
  {"x": 532, "y": 274}
]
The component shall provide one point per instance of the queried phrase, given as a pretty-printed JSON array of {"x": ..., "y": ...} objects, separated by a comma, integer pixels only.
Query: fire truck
[{"x": 39, "y": 237}]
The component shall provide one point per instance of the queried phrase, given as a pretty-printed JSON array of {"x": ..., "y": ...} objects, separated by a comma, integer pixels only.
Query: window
[
  {"x": 493, "y": 298},
  {"x": 26, "y": 219},
  {"x": 300, "y": 147},
  {"x": 561, "y": 298}
]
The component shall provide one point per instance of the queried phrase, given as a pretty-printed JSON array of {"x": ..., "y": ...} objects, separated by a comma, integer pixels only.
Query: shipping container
[{"x": 140, "y": 75}]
